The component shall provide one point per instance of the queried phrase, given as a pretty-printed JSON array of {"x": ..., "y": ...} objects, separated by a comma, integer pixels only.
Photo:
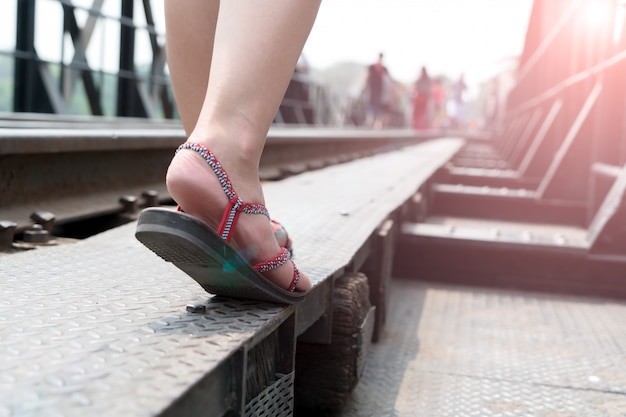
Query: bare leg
[
  {"x": 256, "y": 47},
  {"x": 190, "y": 35}
]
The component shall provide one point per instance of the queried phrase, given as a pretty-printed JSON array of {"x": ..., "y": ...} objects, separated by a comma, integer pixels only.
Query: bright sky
[{"x": 449, "y": 37}]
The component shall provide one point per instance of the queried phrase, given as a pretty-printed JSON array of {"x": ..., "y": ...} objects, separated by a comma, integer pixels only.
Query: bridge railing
[
  {"x": 108, "y": 59},
  {"x": 98, "y": 60},
  {"x": 566, "y": 112}
]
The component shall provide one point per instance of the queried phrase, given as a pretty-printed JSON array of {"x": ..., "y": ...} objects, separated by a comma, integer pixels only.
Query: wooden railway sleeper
[{"x": 326, "y": 373}]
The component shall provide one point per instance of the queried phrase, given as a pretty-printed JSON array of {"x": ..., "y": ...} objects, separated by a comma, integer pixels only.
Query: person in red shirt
[{"x": 378, "y": 91}]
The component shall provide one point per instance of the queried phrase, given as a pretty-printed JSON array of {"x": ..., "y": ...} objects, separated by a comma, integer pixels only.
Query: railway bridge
[{"x": 455, "y": 272}]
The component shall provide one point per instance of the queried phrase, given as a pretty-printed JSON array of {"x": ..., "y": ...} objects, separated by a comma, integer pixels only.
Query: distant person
[
  {"x": 378, "y": 90},
  {"x": 456, "y": 104},
  {"x": 492, "y": 109},
  {"x": 420, "y": 100},
  {"x": 438, "y": 98},
  {"x": 387, "y": 99}
]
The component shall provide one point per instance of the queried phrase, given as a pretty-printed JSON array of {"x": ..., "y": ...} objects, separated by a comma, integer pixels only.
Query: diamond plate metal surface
[
  {"x": 275, "y": 401},
  {"x": 331, "y": 212},
  {"x": 100, "y": 328},
  {"x": 453, "y": 351}
]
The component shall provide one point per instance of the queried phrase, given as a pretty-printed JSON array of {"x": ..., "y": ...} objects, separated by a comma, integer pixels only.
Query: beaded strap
[
  {"x": 279, "y": 260},
  {"x": 235, "y": 205}
]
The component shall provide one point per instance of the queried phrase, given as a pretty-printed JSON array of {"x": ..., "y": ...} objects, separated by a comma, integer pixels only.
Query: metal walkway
[
  {"x": 459, "y": 351},
  {"x": 99, "y": 327}
]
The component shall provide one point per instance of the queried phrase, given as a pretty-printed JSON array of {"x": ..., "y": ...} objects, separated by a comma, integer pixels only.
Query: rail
[{"x": 78, "y": 168}]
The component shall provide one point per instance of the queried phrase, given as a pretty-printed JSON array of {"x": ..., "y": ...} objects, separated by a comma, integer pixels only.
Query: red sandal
[{"x": 207, "y": 255}]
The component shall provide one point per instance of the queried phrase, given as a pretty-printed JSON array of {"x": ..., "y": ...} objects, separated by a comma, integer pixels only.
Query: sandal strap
[
  {"x": 279, "y": 260},
  {"x": 235, "y": 206}
]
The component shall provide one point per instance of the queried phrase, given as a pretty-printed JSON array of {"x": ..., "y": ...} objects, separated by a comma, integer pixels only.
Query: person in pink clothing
[
  {"x": 438, "y": 103},
  {"x": 421, "y": 100}
]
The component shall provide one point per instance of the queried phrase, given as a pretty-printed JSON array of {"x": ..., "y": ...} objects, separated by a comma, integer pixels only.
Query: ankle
[
  {"x": 189, "y": 173},
  {"x": 235, "y": 140}
]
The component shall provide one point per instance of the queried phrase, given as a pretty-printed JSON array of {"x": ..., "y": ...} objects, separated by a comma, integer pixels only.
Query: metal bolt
[
  {"x": 151, "y": 198},
  {"x": 129, "y": 202},
  {"x": 36, "y": 234},
  {"x": 7, "y": 232},
  {"x": 44, "y": 218}
]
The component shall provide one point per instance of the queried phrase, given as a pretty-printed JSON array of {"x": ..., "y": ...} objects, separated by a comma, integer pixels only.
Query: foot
[
  {"x": 281, "y": 235},
  {"x": 195, "y": 187}
]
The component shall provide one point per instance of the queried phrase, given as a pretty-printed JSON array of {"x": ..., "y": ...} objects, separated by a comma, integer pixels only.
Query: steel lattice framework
[
  {"x": 107, "y": 58},
  {"x": 126, "y": 89}
]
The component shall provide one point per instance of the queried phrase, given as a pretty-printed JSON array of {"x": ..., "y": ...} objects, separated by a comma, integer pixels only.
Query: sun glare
[
  {"x": 597, "y": 13},
  {"x": 620, "y": 16}
]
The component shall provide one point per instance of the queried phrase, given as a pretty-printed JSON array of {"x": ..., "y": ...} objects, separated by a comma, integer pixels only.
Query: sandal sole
[{"x": 196, "y": 249}]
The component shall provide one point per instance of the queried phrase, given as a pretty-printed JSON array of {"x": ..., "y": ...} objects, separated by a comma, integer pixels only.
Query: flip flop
[{"x": 209, "y": 256}]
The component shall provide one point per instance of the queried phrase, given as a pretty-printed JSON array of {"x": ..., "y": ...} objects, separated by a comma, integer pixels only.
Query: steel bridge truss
[
  {"x": 39, "y": 88},
  {"x": 63, "y": 79}
]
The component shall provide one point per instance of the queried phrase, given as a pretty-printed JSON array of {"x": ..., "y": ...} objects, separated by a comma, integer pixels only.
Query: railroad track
[{"x": 57, "y": 173}]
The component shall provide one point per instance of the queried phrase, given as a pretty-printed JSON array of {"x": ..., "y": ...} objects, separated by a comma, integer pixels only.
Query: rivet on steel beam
[
  {"x": 7, "y": 232},
  {"x": 36, "y": 234},
  {"x": 151, "y": 198},
  {"x": 129, "y": 202},
  {"x": 44, "y": 218}
]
